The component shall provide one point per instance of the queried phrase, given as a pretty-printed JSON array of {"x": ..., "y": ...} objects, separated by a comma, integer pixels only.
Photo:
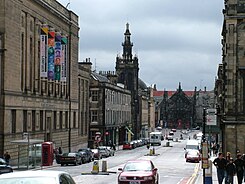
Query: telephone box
[{"x": 47, "y": 154}]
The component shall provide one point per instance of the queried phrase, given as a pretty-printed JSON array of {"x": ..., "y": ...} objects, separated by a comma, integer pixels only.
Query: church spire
[{"x": 127, "y": 45}]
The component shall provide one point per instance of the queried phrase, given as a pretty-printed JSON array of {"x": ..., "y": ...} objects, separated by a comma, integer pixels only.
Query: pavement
[{"x": 209, "y": 178}]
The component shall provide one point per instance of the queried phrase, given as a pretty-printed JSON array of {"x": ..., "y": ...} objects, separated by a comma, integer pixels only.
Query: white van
[
  {"x": 155, "y": 138},
  {"x": 192, "y": 145}
]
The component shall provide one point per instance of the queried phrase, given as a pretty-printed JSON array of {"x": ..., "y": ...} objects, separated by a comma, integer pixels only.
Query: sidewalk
[{"x": 199, "y": 179}]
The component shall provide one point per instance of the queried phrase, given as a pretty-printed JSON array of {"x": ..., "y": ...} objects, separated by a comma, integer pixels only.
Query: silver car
[{"x": 38, "y": 177}]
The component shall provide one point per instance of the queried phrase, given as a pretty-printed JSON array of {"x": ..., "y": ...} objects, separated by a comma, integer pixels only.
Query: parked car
[
  {"x": 70, "y": 158},
  {"x": 104, "y": 152},
  {"x": 85, "y": 156},
  {"x": 4, "y": 167},
  {"x": 138, "y": 171},
  {"x": 40, "y": 177},
  {"x": 89, "y": 152},
  {"x": 97, "y": 154},
  {"x": 128, "y": 145},
  {"x": 111, "y": 150},
  {"x": 193, "y": 156}
]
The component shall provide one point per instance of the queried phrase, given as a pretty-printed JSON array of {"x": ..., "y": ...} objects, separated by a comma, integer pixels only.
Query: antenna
[{"x": 68, "y": 4}]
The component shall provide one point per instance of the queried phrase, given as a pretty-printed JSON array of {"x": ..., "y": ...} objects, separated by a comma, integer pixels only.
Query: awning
[{"x": 129, "y": 131}]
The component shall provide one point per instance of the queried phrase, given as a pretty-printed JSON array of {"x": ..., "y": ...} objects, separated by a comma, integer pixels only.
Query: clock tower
[{"x": 127, "y": 69}]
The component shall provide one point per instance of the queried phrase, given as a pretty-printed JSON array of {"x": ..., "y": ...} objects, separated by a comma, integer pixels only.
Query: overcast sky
[{"x": 175, "y": 40}]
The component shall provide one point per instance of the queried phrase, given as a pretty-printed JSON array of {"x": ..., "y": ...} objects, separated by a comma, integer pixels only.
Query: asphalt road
[{"x": 170, "y": 162}]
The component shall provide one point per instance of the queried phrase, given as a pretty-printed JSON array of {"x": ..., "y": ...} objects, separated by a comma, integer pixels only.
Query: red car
[
  {"x": 138, "y": 172},
  {"x": 193, "y": 156},
  {"x": 127, "y": 145}
]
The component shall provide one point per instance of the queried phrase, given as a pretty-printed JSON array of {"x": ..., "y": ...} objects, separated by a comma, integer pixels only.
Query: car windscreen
[
  {"x": 196, "y": 147},
  {"x": 138, "y": 166}
]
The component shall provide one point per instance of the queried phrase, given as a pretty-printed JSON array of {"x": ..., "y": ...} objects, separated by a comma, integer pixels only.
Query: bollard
[
  {"x": 208, "y": 173},
  {"x": 151, "y": 151},
  {"x": 167, "y": 144},
  {"x": 104, "y": 166},
  {"x": 176, "y": 140},
  {"x": 95, "y": 167}
]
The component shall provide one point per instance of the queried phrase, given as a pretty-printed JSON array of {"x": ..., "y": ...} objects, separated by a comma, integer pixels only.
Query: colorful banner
[
  {"x": 51, "y": 45},
  {"x": 63, "y": 59},
  {"x": 57, "y": 56},
  {"x": 43, "y": 51}
]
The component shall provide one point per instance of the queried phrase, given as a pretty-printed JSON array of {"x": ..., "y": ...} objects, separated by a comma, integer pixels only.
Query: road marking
[{"x": 191, "y": 179}]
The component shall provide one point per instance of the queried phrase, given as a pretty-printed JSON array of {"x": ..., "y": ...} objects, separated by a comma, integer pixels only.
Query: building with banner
[
  {"x": 230, "y": 83},
  {"x": 39, "y": 75}
]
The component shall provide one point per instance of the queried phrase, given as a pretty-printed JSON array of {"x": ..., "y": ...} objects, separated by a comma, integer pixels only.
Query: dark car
[
  {"x": 85, "y": 157},
  {"x": 138, "y": 171},
  {"x": 70, "y": 158},
  {"x": 4, "y": 167},
  {"x": 89, "y": 152}
]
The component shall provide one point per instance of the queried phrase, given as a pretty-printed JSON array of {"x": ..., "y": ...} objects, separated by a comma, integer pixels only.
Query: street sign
[
  {"x": 211, "y": 117},
  {"x": 205, "y": 155},
  {"x": 97, "y": 138}
]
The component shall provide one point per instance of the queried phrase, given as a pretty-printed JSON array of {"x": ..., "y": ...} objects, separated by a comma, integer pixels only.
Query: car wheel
[
  {"x": 62, "y": 164},
  {"x": 75, "y": 163}
]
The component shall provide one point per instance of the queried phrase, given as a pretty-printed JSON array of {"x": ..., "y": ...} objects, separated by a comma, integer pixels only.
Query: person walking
[
  {"x": 6, "y": 157},
  {"x": 230, "y": 171},
  {"x": 228, "y": 158},
  {"x": 220, "y": 163},
  {"x": 239, "y": 167}
]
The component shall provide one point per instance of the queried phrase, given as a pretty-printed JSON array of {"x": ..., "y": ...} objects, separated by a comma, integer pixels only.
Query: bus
[{"x": 156, "y": 138}]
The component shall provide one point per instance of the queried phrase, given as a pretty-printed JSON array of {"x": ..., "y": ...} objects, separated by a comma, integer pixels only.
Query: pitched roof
[{"x": 170, "y": 93}]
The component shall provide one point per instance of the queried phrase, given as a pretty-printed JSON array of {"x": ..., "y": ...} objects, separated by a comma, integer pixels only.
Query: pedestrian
[
  {"x": 228, "y": 158},
  {"x": 220, "y": 163},
  {"x": 6, "y": 157},
  {"x": 243, "y": 158},
  {"x": 230, "y": 171},
  {"x": 60, "y": 150},
  {"x": 239, "y": 167}
]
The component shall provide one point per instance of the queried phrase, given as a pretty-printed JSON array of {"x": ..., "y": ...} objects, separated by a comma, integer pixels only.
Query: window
[
  {"x": 61, "y": 119},
  {"x": 94, "y": 117},
  {"x": 13, "y": 114},
  {"x": 41, "y": 120},
  {"x": 74, "y": 119},
  {"x": 33, "y": 120},
  {"x": 94, "y": 95},
  {"x": 66, "y": 119},
  {"x": 55, "y": 120},
  {"x": 25, "y": 121}
]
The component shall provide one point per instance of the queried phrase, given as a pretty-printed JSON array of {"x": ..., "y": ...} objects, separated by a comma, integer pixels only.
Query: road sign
[
  {"x": 97, "y": 138},
  {"x": 211, "y": 117}
]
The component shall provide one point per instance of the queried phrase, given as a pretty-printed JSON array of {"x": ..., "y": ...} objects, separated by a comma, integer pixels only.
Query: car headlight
[
  {"x": 148, "y": 178},
  {"x": 121, "y": 178}
]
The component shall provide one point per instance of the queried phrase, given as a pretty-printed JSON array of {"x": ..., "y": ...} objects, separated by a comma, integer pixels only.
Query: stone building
[
  {"x": 110, "y": 109},
  {"x": 230, "y": 84},
  {"x": 39, "y": 75},
  {"x": 175, "y": 109}
]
